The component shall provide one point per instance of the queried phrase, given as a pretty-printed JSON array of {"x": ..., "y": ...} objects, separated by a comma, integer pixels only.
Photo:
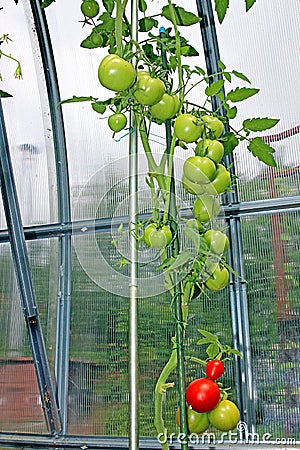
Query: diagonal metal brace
[{"x": 25, "y": 283}]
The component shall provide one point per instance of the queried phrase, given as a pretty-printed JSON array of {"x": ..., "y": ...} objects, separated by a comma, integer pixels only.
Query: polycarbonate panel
[
  {"x": 267, "y": 51},
  {"x": 98, "y": 383},
  {"x": 27, "y": 122},
  {"x": 21, "y": 408},
  {"x": 271, "y": 251}
]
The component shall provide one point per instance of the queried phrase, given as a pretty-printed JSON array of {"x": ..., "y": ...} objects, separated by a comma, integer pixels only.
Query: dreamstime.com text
[{"x": 239, "y": 436}]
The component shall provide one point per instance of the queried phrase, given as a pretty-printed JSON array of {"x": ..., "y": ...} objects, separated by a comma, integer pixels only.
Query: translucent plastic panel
[
  {"x": 263, "y": 44},
  {"x": 271, "y": 249},
  {"x": 98, "y": 387},
  {"x": 21, "y": 404},
  {"x": 27, "y": 123}
]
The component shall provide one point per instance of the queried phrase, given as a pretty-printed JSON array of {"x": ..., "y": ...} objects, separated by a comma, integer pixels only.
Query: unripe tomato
[
  {"x": 193, "y": 188},
  {"x": 222, "y": 180},
  {"x": 214, "y": 369},
  {"x": 157, "y": 237},
  {"x": 166, "y": 108},
  {"x": 225, "y": 416},
  {"x": 187, "y": 128},
  {"x": 90, "y": 8},
  {"x": 193, "y": 223},
  {"x": 197, "y": 422},
  {"x": 199, "y": 169},
  {"x": 206, "y": 207},
  {"x": 211, "y": 148},
  {"x": 149, "y": 90},
  {"x": 117, "y": 122},
  {"x": 218, "y": 279},
  {"x": 215, "y": 125},
  {"x": 115, "y": 73},
  {"x": 217, "y": 241},
  {"x": 202, "y": 395}
]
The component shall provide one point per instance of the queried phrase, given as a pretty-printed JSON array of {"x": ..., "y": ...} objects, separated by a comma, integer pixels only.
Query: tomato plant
[
  {"x": 90, "y": 8},
  {"x": 197, "y": 422},
  {"x": 202, "y": 395},
  {"x": 214, "y": 369},
  {"x": 225, "y": 416},
  {"x": 115, "y": 73},
  {"x": 117, "y": 122},
  {"x": 149, "y": 90},
  {"x": 187, "y": 128}
]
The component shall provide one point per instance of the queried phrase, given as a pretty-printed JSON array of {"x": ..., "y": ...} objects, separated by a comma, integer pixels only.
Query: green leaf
[
  {"x": 142, "y": 5},
  {"x": 183, "y": 17},
  {"x": 212, "y": 351},
  {"x": 221, "y": 65},
  {"x": 221, "y": 7},
  {"x": 200, "y": 70},
  {"x": 235, "y": 352},
  {"x": 241, "y": 76},
  {"x": 147, "y": 23},
  {"x": 46, "y": 3},
  {"x": 262, "y": 151},
  {"x": 108, "y": 23},
  {"x": 240, "y": 94},
  {"x": 231, "y": 112},
  {"x": 188, "y": 50},
  {"x": 183, "y": 258},
  {"x": 203, "y": 341},
  {"x": 249, "y": 4},
  {"x": 227, "y": 76},
  {"x": 230, "y": 142},
  {"x": 214, "y": 88},
  {"x": 99, "y": 107},
  {"x": 259, "y": 124},
  {"x": 75, "y": 99},
  {"x": 4, "y": 94},
  {"x": 109, "y": 5},
  {"x": 207, "y": 334}
]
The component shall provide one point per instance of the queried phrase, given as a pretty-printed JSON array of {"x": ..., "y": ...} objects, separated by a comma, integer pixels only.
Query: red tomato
[
  {"x": 202, "y": 395},
  {"x": 214, "y": 369}
]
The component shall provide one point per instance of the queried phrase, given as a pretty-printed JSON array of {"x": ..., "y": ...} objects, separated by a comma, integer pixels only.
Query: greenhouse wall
[{"x": 69, "y": 208}]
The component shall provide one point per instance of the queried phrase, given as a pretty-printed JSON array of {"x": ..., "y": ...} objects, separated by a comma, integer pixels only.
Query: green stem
[{"x": 120, "y": 9}]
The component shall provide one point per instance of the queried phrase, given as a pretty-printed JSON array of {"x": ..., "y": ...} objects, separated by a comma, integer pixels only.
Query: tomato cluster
[
  {"x": 157, "y": 235},
  {"x": 205, "y": 405}
]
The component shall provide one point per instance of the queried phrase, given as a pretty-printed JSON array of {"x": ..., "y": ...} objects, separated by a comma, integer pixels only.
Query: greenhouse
[{"x": 149, "y": 224}]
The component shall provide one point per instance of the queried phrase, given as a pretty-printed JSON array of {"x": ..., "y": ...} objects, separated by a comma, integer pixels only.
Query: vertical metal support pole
[
  {"x": 133, "y": 287},
  {"x": 25, "y": 284},
  {"x": 64, "y": 213},
  {"x": 238, "y": 295}
]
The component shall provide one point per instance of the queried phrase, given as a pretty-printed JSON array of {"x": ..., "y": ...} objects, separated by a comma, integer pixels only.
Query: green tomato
[
  {"x": 193, "y": 223},
  {"x": 225, "y": 416},
  {"x": 215, "y": 125},
  {"x": 217, "y": 241},
  {"x": 211, "y": 148},
  {"x": 206, "y": 207},
  {"x": 166, "y": 108},
  {"x": 157, "y": 237},
  {"x": 97, "y": 39},
  {"x": 90, "y": 8},
  {"x": 218, "y": 280},
  {"x": 149, "y": 90},
  {"x": 199, "y": 169},
  {"x": 193, "y": 188},
  {"x": 115, "y": 73},
  {"x": 222, "y": 180},
  {"x": 197, "y": 422},
  {"x": 187, "y": 128},
  {"x": 117, "y": 122}
]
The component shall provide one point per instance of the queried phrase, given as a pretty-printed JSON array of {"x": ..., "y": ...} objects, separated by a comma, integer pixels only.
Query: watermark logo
[{"x": 241, "y": 435}]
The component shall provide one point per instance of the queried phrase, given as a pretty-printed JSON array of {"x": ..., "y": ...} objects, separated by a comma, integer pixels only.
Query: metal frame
[{"x": 17, "y": 235}]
